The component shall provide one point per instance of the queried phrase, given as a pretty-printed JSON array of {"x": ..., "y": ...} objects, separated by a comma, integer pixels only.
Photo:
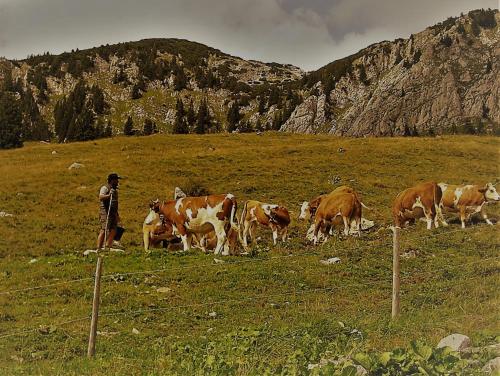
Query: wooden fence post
[
  {"x": 95, "y": 308},
  {"x": 395, "y": 272}
]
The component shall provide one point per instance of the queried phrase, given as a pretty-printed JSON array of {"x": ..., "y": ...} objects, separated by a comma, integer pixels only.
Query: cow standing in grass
[
  {"x": 271, "y": 216},
  {"x": 468, "y": 199},
  {"x": 343, "y": 203},
  {"x": 201, "y": 215},
  {"x": 308, "y": 208},
  {"x": 422, "y": 200}
]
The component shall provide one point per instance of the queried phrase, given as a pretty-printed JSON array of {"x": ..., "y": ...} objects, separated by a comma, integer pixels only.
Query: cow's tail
[
  {"x": 232, "y": 219},
  {"x": 242, "y": 221},
  {"x": 364, "y": 206},
  {"x": 438, "y": 204}
]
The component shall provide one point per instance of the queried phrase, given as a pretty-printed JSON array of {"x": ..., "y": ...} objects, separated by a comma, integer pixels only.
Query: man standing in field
[{"x": 108, "y": 211}]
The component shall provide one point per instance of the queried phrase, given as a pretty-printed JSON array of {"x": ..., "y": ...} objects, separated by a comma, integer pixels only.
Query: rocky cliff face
[{"x": 437, "y": 81}]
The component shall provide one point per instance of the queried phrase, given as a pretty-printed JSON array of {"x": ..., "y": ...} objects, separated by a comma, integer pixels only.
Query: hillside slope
[{"x": 274, "y": 310}]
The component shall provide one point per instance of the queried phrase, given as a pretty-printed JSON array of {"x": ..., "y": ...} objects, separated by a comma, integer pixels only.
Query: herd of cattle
[{"x": 210, "y": 222}]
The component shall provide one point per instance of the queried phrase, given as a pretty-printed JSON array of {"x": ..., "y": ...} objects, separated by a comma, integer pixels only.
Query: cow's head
[
  {"x": 490, "y": 192},
  {"x": 305, "y": 213},
  {"x": 155, "y": 205}
]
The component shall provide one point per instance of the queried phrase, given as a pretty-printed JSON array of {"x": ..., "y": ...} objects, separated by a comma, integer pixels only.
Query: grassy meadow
[{"x": 272, "y": 312}]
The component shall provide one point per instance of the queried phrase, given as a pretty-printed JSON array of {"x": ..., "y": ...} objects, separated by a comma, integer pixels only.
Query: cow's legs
[
  {"x": 221, "y": 239},
  {"x": 246, "y": 229},
  {"x": 346, "y": 225},
  {"x": 274, "y": 228},
  {"x": 440, "y": 216},
  {"x": 357, "y": 225},
  {"x": 253, "y": 233},
  {"x": 284, "y": 233},
  {"x": 317, "y": 227},
  {"x": 428, "y": 219},
  {"x": 146, "y": 241},
  {"x": 462, "y": 215},
  {"x": 485, "y": 216}
]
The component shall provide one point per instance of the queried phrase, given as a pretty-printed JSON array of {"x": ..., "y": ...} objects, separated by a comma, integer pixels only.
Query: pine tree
[
  {"x": 34, "y": 126},
  {"x": 274, "y": 97},
  {"x": 258, "y": 126},
  {"x": 149, "y": 127},
  {"x": 191, "y": 115},
  {"x": 203, "y": 121},
  {"x": 99, "y": 128},
  {"x": 98, "y": 101},
  {"x": 180, "y": 125},
  {"x": 128, "y": 128},
  {"x": 262, "y": 104},
  {"x": 233, "y": 117},
  {"x": 277, "y": 121},
  {"x": 8, "y": 84},
  {"x": 180, "y": 79},
  {"x": 108, "y": 129},
  {"x": 10, "y": 122}
]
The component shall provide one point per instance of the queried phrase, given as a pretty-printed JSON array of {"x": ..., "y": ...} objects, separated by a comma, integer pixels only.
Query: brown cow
[
  {"x": 201, "y": 215},
  {"x": 422, "y": 200},
  {"x": 274, "y": 217},
  {"x": 343, "y": 204},
  {"x": 308, "y": 209},
  {"x": 208, "y": 242},
  {"x": 468, "y": 199}
]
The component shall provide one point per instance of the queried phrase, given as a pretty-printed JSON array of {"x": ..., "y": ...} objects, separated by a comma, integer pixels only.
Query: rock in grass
[
  {"x": 76, "y": 166},
  {"x": 5, "y": 214},
  {"x": 492, "y": 367},
  {"x": 135, "y": 331},
  {"x": 330, "y": 261},
  {"x": 457, "y": 342},
  {"x": 213, "y": 314},
  {"x": 163, "y": 289}
]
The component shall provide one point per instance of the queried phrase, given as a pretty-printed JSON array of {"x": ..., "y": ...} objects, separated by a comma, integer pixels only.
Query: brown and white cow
[
  {"x": 154, "y": 230},
  {"x": 422, "y": 200},
  {"x": 468, "y": 199},
  {"x": 271, "y": 216},
  {"x": 342, "y": 204},
  {"x": 201, "y": 215}
]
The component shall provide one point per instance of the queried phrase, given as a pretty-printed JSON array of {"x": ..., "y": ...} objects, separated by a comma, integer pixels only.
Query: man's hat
[{"x": 113, "y": 176}]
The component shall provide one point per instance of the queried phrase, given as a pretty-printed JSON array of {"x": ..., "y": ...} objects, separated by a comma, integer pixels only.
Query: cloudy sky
[{"x": 307, "y": 33}]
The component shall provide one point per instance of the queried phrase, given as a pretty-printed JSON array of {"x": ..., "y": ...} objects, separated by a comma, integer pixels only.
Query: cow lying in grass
[
  {"x": 271, "y": 216},
  {"x": 468, "y": 200}
]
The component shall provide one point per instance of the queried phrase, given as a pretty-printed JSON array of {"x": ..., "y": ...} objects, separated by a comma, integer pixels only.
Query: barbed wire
[
  {"x": 253, "y": 260},
  {"x": 174, "y": 269}
]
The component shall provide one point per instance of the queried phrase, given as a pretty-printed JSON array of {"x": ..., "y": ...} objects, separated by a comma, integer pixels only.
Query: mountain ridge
[{"x": 441, "y": 80}]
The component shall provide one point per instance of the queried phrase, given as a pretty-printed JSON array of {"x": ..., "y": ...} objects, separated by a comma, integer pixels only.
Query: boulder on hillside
[
  {"x": 492, "y": 367},
  {"x": 75, "y": 166},
  {"x": 457, "y": 342}
]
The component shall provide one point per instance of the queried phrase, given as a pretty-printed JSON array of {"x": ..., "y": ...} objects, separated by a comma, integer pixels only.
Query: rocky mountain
[{"x": 444, "y": 79}]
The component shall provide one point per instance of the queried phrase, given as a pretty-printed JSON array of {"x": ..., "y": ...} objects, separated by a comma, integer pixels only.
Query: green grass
[{"x": 293, "y": 302}]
